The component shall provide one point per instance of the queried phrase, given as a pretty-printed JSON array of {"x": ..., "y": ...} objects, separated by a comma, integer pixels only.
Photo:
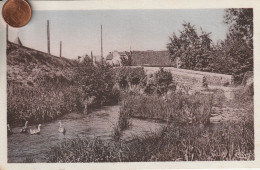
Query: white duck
[
  {"x": 61, "y": 129},
  {"x": 25, "y": 128},
  {"x": 36, "y": 131},
  {"x": 9, "y": 130}
]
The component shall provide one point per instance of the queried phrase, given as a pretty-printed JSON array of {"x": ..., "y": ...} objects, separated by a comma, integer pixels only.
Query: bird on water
[
  {"x": 61, "y": 128},
  {"x": 25, "y": 128},
  {"x": 9, "y": 130},
  {"x": 36, "y": 130}
]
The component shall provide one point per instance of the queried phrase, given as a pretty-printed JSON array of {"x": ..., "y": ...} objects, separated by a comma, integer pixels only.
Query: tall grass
[
  {"x": 123, "y": 123},
  {"x": 177, "y": 107},
  {"x": 41, "y": 104}
]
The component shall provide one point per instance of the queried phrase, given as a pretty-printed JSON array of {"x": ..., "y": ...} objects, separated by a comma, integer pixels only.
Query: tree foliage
[
  {"x": 127, "y": 76},
  {"x": 234, "y": 55},
  {"x": 95, "y": 81},
  {"x": 191, "y": 48},
  {"x": 126, "y": 61}
]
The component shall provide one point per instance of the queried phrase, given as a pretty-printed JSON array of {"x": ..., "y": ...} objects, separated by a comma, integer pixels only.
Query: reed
[
  {"x": 41, "y": 104},
  {"x": 177, "y": 107}
]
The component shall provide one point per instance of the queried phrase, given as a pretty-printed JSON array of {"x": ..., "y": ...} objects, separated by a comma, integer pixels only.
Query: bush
[
  {"x": 127, "y": 76},
  {"x": 96, "y": 81},
  {"x": 160, "y": 83},
  {"x": 163, "y": 80}
]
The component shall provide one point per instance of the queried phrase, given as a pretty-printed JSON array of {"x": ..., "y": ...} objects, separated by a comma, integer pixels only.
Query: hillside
[
  {"x": 152, "y": 58},
  {"x": 26, "y": 65},
  {"x": 40, "y": 86}
]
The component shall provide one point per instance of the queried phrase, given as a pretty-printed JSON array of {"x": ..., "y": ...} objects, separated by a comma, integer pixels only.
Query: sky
[{"x": 141, "y": 30}]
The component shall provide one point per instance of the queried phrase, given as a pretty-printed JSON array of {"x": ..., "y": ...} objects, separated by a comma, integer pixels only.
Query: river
[{"x": 99, "y": 123}]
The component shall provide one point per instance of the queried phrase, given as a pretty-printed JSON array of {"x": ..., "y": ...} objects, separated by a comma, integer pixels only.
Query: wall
[{"x": 191, "y": 76}]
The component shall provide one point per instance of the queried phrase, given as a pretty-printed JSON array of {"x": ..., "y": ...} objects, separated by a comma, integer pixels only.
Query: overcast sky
[{"x": 79, "y": 31}]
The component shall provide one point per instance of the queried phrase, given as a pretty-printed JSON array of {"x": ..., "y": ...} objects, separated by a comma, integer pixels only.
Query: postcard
[{"x": 130, "y": 85}]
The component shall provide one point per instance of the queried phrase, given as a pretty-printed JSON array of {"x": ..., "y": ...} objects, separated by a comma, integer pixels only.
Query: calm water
[{"x": 99, "y": 123}]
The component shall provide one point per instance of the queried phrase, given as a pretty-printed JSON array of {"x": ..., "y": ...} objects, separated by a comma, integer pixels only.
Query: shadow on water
[{"x": 100, "y": 123}]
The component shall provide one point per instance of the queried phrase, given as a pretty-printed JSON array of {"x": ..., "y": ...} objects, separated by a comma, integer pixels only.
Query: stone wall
[{"x": 191, "y": 77}]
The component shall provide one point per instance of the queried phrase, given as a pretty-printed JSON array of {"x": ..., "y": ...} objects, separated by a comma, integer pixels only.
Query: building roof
[
  {"x": 150, "y": 57},
  {"x": 109, "y": 56}
]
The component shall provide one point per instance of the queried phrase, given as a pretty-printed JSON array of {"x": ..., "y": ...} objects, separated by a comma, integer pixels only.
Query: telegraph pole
[
  {"x": 6, "y": 33},
  {"x": 60, "y": 47},
  {"x": 101, "y": 46},
  {"x": 48, "y": 37}
]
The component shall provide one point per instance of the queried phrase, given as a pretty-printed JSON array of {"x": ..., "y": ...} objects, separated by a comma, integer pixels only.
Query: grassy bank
[
  {"x": 42, "y": 104},
  {"x": 42, "y": 87}
]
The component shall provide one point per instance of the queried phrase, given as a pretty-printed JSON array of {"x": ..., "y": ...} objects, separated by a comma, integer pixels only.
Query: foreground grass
[{"x": 232, "y": 141}]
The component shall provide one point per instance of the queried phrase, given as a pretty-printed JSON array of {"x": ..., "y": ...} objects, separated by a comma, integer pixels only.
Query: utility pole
[
  {"x": 48, "y": 37},
  {"x": 101, "y": 46},
  {"x": 91, "y": 54},
  {"x": 6, "y": 33},
  {"x": 92, "y": 59},
  {"x": 60, "y": 47}
]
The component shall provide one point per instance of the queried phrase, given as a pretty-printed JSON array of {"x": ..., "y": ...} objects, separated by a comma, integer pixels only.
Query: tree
[
  {"x": 192, "y": 49},
  {"x": 240, "y": 23},
  {"x": 126, "y": 61},
  {"x": 234, "y": 55},
  {"x": 95, "y": 81}
]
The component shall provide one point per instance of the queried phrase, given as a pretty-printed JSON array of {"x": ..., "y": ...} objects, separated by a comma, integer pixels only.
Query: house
[{"x": 114, "y": 58}]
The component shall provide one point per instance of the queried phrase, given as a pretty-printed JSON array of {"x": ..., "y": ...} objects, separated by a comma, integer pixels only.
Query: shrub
[
  {"x": 127, "y": 76},
  {"x": 96, "y": 81},
  {"x": 163, "y": 80},
  {"x": 160, "y": 83}
]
